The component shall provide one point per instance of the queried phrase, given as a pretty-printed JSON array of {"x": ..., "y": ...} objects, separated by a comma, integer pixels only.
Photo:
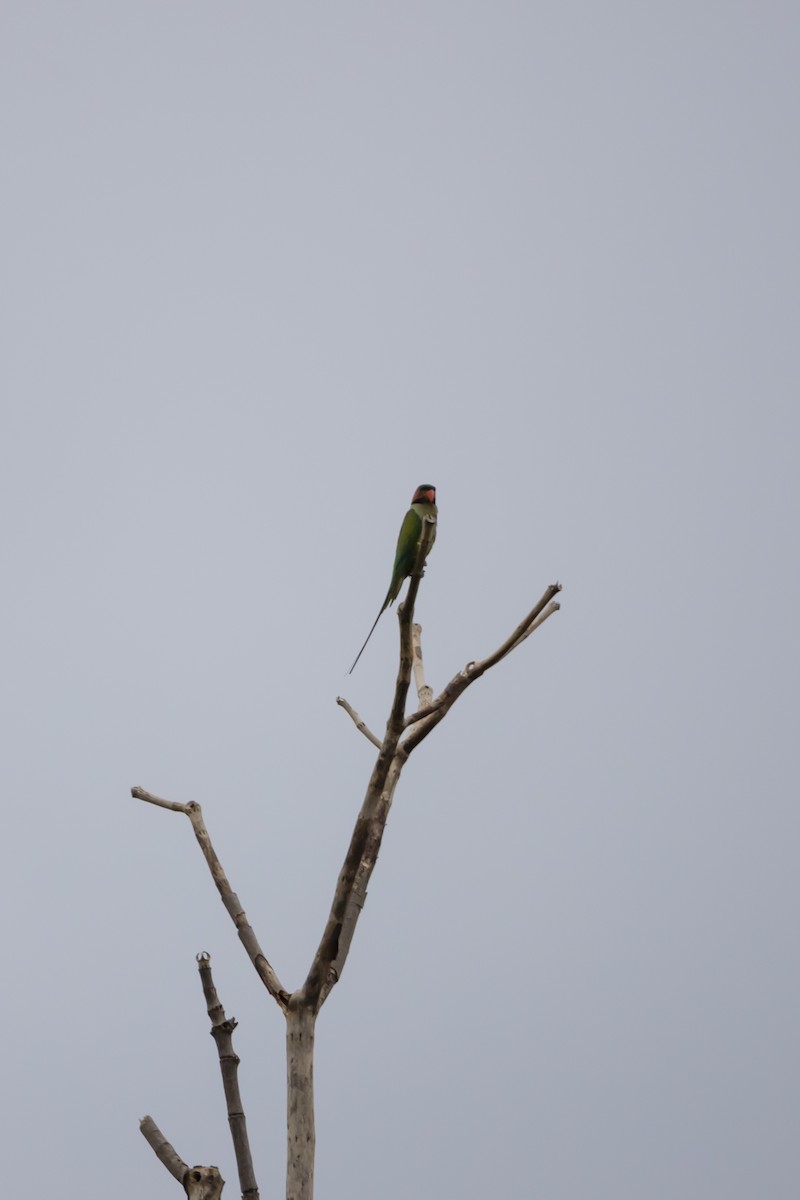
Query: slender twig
[
  {"x": 473, "y": 670},
  {"x": 357, "y": 721},
  {"x": 459, "y": 683},
  {"x": 222, "y": 1031},
  {"x": 552, "y": 607},
  {"x": 521, "y": 632},
  {"x": 163, "y": 1150},
  {"x": 229, "y": 898}
]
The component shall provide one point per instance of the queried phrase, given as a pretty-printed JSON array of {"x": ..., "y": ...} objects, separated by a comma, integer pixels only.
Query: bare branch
[
  {"x": 222, "y": 1031},
  {"x": 163, "y": 1150},
  {"x": 359, "y": 724},
  {"x": 424, "y": 692},
  {"x": 229, "y": 898},
  {"x": 362, "y": 853},
  {"x": 357, "y": 896},
  {"x": 427, "y": 719},
  {"x": 139, "y": 793},
  {"x": 522, "y": 631},
  {"x": 552, "y": 607}
]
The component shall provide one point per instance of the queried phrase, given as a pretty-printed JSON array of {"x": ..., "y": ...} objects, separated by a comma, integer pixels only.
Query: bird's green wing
[{"x": 407, "y": 544}]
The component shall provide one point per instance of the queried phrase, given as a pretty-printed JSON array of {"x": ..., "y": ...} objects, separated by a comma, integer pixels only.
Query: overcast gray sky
[{"x": 265, "y": 269}]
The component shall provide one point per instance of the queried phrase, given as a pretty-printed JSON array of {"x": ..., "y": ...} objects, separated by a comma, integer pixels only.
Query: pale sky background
[{"x": 265, "y": 269}]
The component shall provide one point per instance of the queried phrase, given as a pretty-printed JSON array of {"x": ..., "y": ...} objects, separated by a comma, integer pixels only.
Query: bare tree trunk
[{"x": 301, "y": 1137}]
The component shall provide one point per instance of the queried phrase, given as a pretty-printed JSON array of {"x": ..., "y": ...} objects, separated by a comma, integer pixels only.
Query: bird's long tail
[{"x": 369, "y": 635}]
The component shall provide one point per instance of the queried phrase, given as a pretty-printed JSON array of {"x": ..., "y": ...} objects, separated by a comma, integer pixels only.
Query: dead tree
[{"x": 300, "y": 1007}]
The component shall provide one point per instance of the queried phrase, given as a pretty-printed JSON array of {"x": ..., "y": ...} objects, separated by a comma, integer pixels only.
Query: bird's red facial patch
[{"x": 425, "y": 492}]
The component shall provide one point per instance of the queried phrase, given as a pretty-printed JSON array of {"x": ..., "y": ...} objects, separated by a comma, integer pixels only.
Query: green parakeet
[{"x": 423, "y": 504}]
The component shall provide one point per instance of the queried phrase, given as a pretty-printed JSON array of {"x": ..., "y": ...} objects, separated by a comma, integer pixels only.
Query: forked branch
[
  {"x": 403, "y": 735},
  {"x": 365, "y": 843},
  {"x": 429, "y": 715}
]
